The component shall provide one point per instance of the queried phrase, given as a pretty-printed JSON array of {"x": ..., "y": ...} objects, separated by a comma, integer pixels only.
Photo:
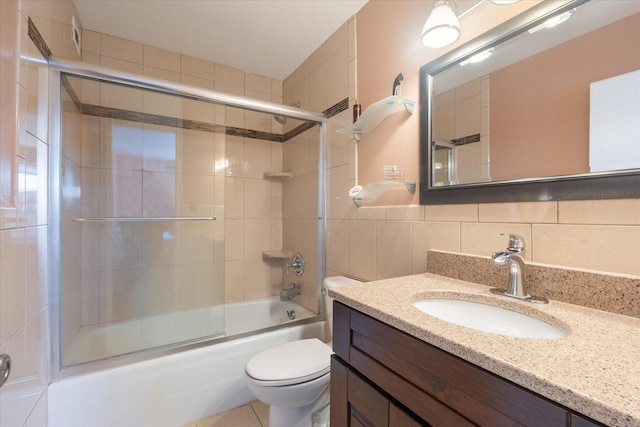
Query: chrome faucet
[
  {"x": 291, "y": 291},
  {"x": 511, "y": 257}
]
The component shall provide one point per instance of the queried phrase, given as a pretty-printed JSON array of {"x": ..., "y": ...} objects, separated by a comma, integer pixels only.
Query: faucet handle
[
  {"x": 516, "y": 243},
  {"x": 297, "y": 264}
]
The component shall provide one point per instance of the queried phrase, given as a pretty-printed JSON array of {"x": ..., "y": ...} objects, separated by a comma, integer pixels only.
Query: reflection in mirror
[
  {"x": 444, "y": 162},
  {"x": 545, "y": 105}
]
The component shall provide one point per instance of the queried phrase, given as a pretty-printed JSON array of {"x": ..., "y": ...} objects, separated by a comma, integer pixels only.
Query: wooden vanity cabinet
[{"x": 381, "y": 376}]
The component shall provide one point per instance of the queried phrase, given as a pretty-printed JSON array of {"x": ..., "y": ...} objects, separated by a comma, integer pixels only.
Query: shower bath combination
[{"x": 126, "y": 214}]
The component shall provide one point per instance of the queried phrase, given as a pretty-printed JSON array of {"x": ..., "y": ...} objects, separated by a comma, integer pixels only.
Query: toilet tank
[{"x": 330, "y": 283}]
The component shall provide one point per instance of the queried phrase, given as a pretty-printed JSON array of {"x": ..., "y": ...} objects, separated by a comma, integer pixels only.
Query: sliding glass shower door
[
  {"x": 147, "y": 178},
  {"x": 141, "y": 220}
]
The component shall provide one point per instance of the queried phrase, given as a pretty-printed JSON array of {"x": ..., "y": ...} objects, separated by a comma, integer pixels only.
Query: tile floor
[{"x": 254, "y": 414}]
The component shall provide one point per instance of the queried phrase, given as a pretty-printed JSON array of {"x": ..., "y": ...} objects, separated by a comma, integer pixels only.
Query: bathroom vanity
[{"x": 396, "y": 366}]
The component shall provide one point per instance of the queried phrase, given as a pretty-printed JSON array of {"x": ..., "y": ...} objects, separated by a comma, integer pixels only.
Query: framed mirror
[{"x": 551, "y": 113}]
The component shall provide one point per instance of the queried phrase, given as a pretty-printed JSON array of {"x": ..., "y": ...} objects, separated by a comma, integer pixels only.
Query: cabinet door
[
  {"x": 399, "y": 418},
  {"x": 357, "y": 403},
  {"x": 367, "y": 406},
  {"x": 370, "y": 408},
  {"x": 339, "y": 414}
]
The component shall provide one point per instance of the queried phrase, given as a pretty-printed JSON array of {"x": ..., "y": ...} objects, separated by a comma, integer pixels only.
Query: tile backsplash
[
  {"x": 615, "y": 293},
  {"x": 378, "y": 242}
]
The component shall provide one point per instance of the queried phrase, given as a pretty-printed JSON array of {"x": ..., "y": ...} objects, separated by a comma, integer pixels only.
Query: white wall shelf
[
  {"x": 277, "y": 253},
  {"x": 376, "y": 113},
  {"x": 373, "y": 190}
]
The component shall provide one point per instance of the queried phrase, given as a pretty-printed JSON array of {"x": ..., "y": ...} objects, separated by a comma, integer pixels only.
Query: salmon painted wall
[
  {"x": 388, "y": 43},
  {"x": 555, "y": 142}
]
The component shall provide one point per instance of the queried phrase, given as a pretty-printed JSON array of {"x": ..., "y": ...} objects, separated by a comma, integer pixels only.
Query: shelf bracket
[
  {"x": 409, "y": 107},
  {"x": 411, "y": 186},
  {"x": 375, "y": 189}
]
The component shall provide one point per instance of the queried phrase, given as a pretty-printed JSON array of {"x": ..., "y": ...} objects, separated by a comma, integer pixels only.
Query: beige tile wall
[
  {"x": 24, "y": 300},
  {"x": 600, "y": 235},
  {"x": 462, "y": 112},
  {"x": 130, "y": 169},
  {"x": 376, "y": 242},
  {"x": 252, "y": 216},
  {"x": 320, "y": 82}
]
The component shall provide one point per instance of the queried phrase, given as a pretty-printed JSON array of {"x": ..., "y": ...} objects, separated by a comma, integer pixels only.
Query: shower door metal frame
[{"x": 57, "y": 67}]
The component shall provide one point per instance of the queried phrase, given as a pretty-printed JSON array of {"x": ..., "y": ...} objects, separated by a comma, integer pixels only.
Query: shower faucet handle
[{"x": 297, "y": 264}]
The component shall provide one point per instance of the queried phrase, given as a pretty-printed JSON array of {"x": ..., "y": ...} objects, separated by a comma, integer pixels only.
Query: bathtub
[
  {"x": 103, "y": 341},
  {"x": 185, "y": 386}
]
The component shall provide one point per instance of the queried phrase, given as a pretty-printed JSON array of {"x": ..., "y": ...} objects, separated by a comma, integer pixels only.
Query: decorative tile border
[
  {"x": 613, "y": 293},
  {"x": 66, "y": 85},
  {"x": 466, "y": 140},
  {"x": 139, "y": 117},
  {"x": 155, "y": 119},
  {"x": 337, "y": 108},
  {"x": 37, "y": 39},
  {"x": 115, "y": 113}
]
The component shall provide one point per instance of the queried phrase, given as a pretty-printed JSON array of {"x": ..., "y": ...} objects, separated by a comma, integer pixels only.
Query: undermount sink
[{"x": 488, "y": 318}]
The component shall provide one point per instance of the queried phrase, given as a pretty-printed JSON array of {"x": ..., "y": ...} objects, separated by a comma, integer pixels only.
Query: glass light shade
[
  {"x": 478, "y": 57},
  {"x": 550, "y": 23},
  {"x": 442, "y": 27},
  {"x": 558, "y": 19}
]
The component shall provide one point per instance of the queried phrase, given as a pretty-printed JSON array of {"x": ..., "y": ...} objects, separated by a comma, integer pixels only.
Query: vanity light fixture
[
  {"x": 442, "y": 27},
  {"x": 478, "y": 57},
  {"x": 557, "y": 20}
]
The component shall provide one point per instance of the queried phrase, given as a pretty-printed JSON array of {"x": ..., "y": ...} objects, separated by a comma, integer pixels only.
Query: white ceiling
[{"x": 267, "y": 37}]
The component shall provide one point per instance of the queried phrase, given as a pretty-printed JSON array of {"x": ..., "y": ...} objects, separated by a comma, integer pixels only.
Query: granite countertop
[{"x": 594, "y": 371}]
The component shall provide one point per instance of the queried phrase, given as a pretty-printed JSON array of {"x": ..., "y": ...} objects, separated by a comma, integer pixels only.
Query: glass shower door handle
[{"x": 5, "y": 368}]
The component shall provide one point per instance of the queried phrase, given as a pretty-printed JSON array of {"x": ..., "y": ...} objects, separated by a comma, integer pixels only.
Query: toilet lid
[{"x": 291, "y": 363}]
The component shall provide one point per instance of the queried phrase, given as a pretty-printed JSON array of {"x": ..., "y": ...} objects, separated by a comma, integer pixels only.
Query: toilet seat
[{"x": 290, "y": 363}]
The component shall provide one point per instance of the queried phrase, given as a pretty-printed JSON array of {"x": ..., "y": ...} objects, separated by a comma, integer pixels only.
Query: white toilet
[{"x": 293, "y": 378}]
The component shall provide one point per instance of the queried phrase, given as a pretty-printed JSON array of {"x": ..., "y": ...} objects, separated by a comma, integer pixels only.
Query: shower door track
[
  {"x": 116, "y": 76},
  {"x": 126, "y": 219}
]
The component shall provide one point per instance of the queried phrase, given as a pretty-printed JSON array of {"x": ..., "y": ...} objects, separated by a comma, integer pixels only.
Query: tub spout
[{"x": 291, "y": 291}]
